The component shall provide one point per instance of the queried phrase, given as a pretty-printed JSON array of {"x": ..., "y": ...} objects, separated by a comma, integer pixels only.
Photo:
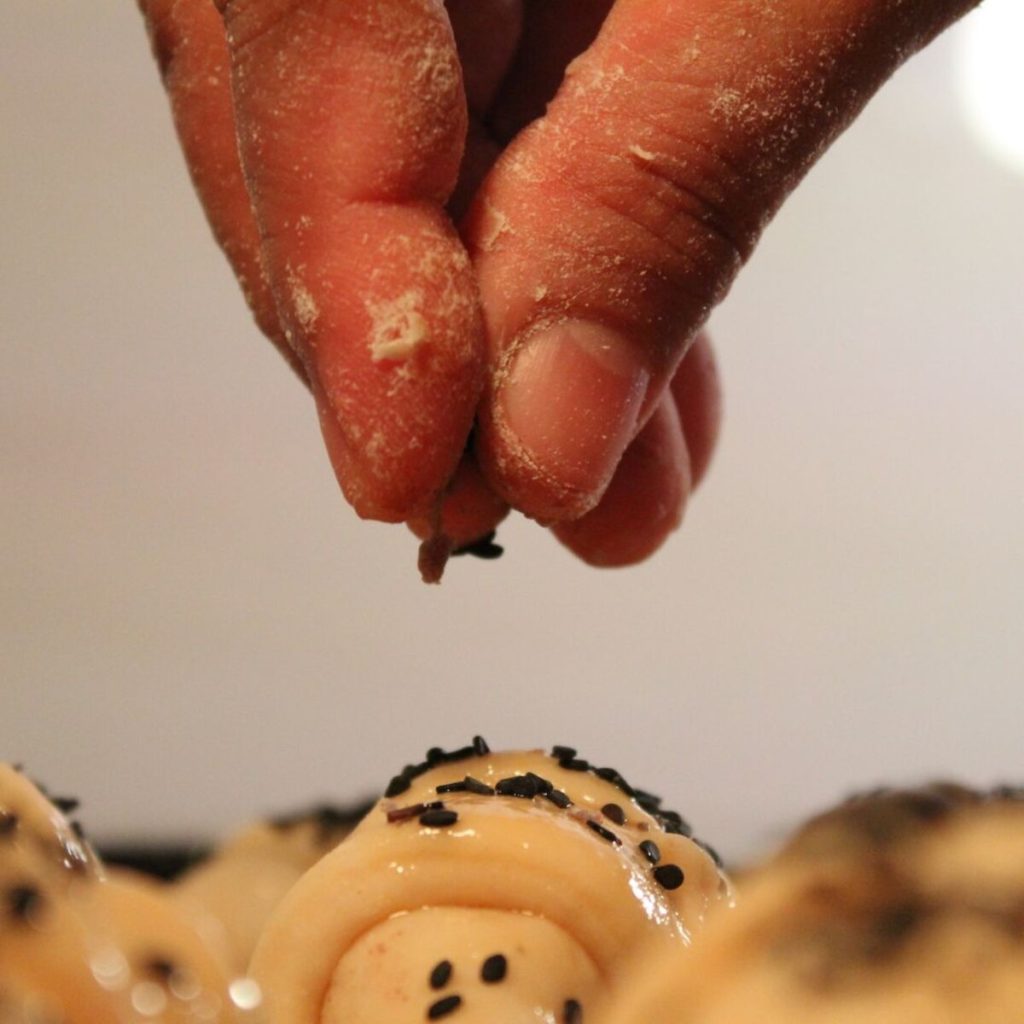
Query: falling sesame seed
[
  {"x": 613, "y": 812},
  {"x": 669, "y": 876},
  {"x": 494, "y": 969},
  {"x": 22, "y": 901},
  {"x": 413, "y": 811},
  {"x": 517, "y": 785},
  {"x": 441, "y": 974},
  {"x": 476, "y": 786},
  {"x": 558, "y": 798},
  {"x": 650, "y": 850},
  {"x": 438, "y": 818},
  {"x": 452, "y": 787},
  {"x": 480, "y": 746},
  {"x": 443, "y": 1007},
  {"x": 574, "y": 764},
  {"x": 8, "y": 823},
  {"x": 572, "y": 1012},
  {"x": 603, "y": 832},
  {"x": 398, "y": 785},
  {"x": 563, "y": 753}
]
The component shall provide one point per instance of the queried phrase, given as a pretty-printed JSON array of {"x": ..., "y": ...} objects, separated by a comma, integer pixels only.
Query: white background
[{"x": 194, "y": 628}]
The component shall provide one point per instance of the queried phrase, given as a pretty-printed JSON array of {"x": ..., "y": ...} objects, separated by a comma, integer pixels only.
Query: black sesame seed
[
  {"x": 443, "y": 1007},
  {"x": 711, "y": 852},
  {"x": 435, "y": 755},
  {"x": 64, "y": 804},
  {"x": 494, "y": 969},
  {"x": 476, "y": 786},
  {"x": 604, "y": 833},
  {"x": 413, "y": 811},
  {"x": 572, "y": 1012},
  {"x": 460, "y": 755},
  {"x": 613, "y": 812},
  {"x": 22, "y": 901},
  {"x": 8, "y": 823},
  {"x": 452, "y": 787},
  {"x": 438, "y": 818},
  {"x": 76, "y": 827},
  {"x": 480, "y": 747},
  {"x": 517, "y": 785},
  {"x": 646, "y": 800},
  {"x": 574, "y": 764},
  {"x": 558, "y": 798},
  {"x": 669, "y": 876},
  {"x": 650, "y": 850},
  {"x": 484, "y": 548},
  {"x": 563, "y": 753},
  {"x": 398, "y": 785},
  {"x": 414, "y": 771},
  {"x": 161, "y": 968},
  {"x": 441, "y": 974},
  {"x": 615, "y": 778},
  {"x": 542, "y": 784}
]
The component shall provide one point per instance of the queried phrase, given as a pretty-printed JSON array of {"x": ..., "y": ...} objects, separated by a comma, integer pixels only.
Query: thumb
[{"x": 609, "y": 229}]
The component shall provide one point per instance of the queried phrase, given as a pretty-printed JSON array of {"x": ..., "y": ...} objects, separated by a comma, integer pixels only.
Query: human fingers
[
  {"x": 187, "y": 37},
  {"x": 661, "y": 468},
  {"x": 644, "y": 501},
  {"x": 351, "y": 121},
  {"x": 610, "y": 227},
  {"x": 697, "y": 392}
]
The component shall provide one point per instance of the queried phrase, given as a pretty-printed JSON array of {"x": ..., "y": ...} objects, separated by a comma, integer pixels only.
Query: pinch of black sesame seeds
[
  {"x": 563, "y": 753},
  {"x": 398, "y": 785},
  {"x": 22, "y": 901},
  {"x": 476, "y": 786},
  {"x": 8, "y": 823},
  {"x": 669, "y": 876},
  {"x": 439, "y": 818},
  {"x": 521, "y": 786},
  {"x": 452, "y": 787},
  {"x": 558, "y": 798},
  {"x": 650, "y": 850},
  {"x": 441, "y": 974},
  {"x": 613, "y": 812},
  {"x": 443, "y": 1007},
  {"x": 494, "y": 969},
  {"x": 574, "y": 764},
  {"x": 480, "y": 746},
  {"x": 603, "y": 832},
  {"x": 542, "y": 784},
  {"x": 572, "y": 1012},
  {"x": 65, "y": 804}
]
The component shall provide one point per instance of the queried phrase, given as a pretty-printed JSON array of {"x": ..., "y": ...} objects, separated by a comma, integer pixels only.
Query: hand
[{"x": 600, "y": 237}]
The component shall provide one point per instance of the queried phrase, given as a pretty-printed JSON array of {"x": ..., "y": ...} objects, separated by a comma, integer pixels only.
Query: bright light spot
[
  {"x": 149, "y": 999},
  {"x": 991, "y": 78},
  {"x": 245, "y": 993},
  {"x": 110, "y": 968}
]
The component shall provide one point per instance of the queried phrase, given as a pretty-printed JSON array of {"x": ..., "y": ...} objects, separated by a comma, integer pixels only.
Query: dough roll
[{"x": 510, "y": 887}]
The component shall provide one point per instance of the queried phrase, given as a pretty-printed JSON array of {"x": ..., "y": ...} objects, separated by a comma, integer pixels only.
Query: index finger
[{"x": 351, "y": 119}]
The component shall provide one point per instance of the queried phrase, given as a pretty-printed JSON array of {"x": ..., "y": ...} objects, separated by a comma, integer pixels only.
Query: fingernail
[{"x": 570, "y": 404}]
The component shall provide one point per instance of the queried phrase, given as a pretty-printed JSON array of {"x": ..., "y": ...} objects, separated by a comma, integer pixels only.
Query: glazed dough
[
  {"x": 231, "y": 895},
  {"x": 538, "y": 861},
  {"x": 897, "y": 908}
]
